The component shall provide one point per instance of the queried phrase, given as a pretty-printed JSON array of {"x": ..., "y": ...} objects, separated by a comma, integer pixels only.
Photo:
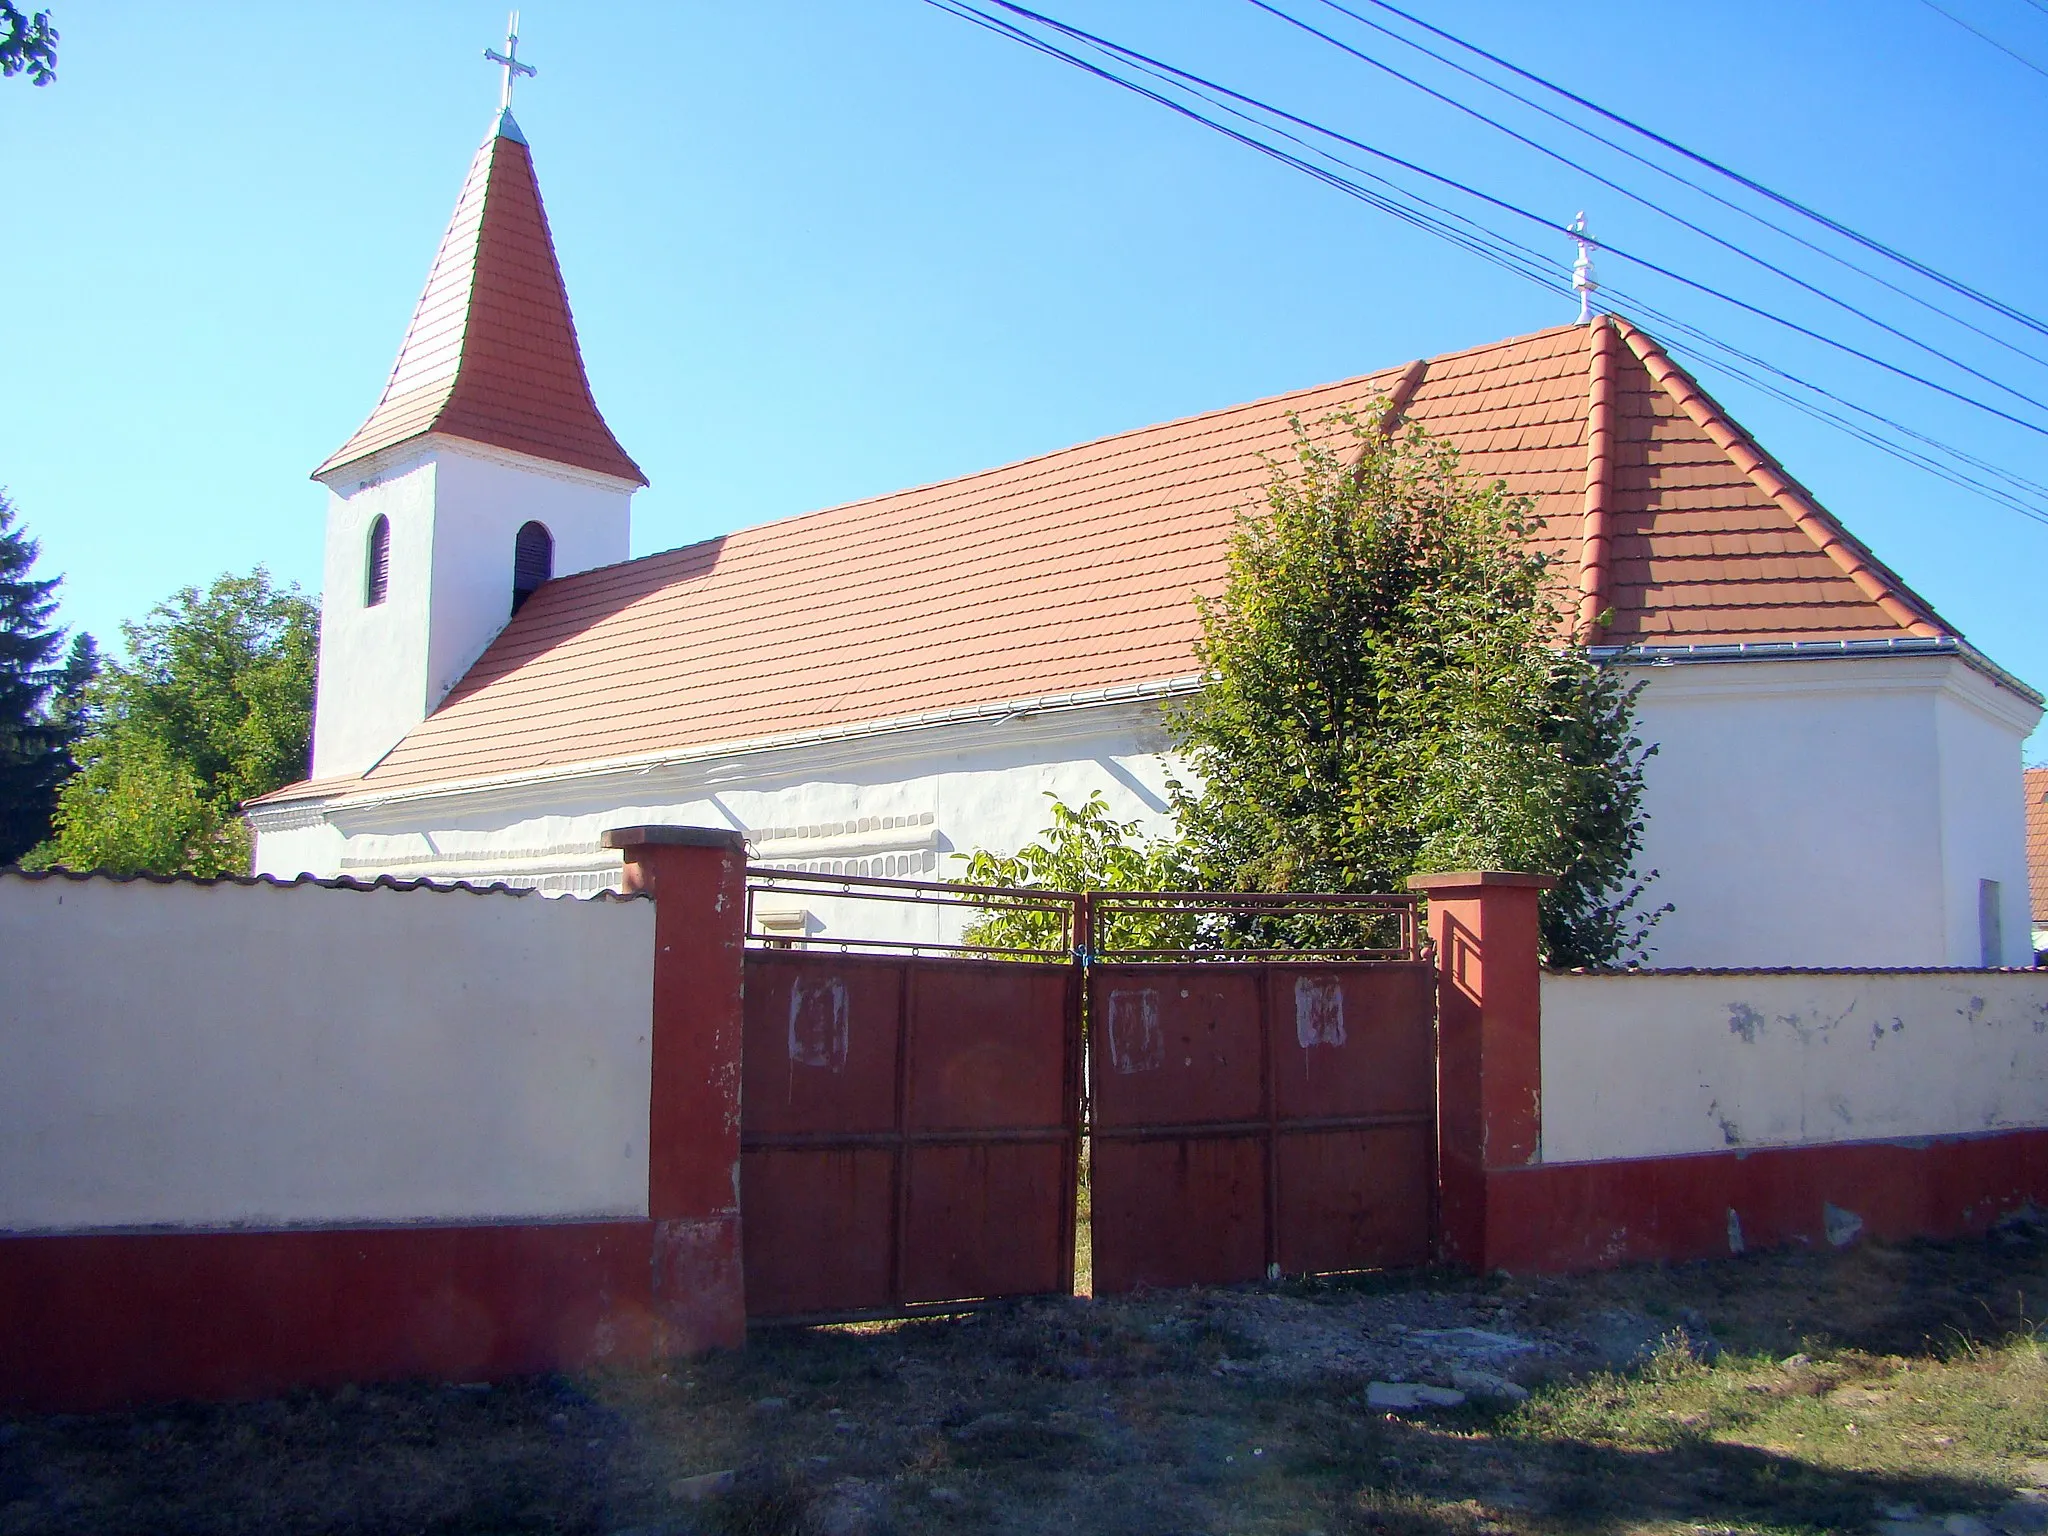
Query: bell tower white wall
[{"x": 455, "y": 510}]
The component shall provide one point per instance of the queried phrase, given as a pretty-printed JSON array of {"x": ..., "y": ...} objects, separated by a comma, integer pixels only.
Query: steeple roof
[{"x": 491, "y": 355}]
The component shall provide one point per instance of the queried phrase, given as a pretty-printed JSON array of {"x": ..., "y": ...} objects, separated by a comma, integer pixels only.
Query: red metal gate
[
  {"x": 909, "y": 1120},
  {"x": 1258, "y": 1111}
]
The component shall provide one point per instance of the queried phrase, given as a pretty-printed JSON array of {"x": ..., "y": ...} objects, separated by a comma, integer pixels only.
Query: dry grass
[{"x": 1922, "y": 1383}]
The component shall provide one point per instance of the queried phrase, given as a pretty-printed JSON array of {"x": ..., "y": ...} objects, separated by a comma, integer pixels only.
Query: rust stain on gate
[
  {"x": 1257, "y": 1111},
  {"x": 909, "y": 1122}
]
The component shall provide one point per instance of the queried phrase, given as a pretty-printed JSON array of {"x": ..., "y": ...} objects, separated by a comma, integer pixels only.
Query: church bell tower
[{"x": 484, "y": 471}]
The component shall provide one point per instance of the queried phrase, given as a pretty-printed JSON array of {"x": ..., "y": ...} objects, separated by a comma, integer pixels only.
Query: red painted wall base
[
  {"x": 1574, "y": 1216},
  {"x": 107, "y": 1321}
]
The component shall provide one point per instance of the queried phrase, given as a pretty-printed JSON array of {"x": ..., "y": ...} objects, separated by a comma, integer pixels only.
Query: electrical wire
[
  {"x": 1708, "y": 351},
  {"x": 1700, "y": 188},
  {"x": 1979, "y": 32},
  {"x": 1877, "y": 246},
  {"x": 1684, "y": 223},
  {"x": 1122, "y": 51}
]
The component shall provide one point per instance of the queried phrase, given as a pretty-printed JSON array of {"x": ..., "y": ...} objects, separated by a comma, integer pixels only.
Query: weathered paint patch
[
  {"x": 1318, "y": 1011},
  {"x": 1136, "y": 1042},
  {"x": 1841, "y": 1226},
  {"x": 819, "y": 1032},
  {"x": 1745, "y": 1021}
]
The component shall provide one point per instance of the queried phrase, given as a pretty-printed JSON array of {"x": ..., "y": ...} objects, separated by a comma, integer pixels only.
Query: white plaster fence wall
[
  {"x": 253, "y": 1055},
  {"x": 1656, "y": 1064}
]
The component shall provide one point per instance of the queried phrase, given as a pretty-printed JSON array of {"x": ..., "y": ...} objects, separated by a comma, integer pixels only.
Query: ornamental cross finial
[
  {"x": 1582, "y": 268},
  {"x": 510, "y": 60}
]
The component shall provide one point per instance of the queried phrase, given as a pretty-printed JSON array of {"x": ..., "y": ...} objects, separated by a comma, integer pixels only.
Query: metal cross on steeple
[{"x": 510, "y": 60}]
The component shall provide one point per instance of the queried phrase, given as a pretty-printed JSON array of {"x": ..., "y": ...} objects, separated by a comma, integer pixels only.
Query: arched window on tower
[
  {"x": 533, "y": 562},
  {"x": 377, "y": 564}
]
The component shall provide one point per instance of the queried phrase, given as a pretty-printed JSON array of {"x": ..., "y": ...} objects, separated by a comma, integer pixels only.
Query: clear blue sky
[{"x": 818, "y": 251}]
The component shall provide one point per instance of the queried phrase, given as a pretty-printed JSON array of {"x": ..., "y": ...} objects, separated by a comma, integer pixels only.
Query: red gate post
[
  {"x": 698, "y": 878},
  {"x": 1489, "y": 1042}
]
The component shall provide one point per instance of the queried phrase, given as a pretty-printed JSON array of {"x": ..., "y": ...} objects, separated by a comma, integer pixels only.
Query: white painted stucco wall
[
  {"x": 219, "y": 1055},
  {"x": 1817, "y": 812},
  {"x": 1654, "y": 1065},
  {"x": 455, "y": 510},
  {"x": 901, "y": 803},
  {"x": 1832, "y": 812}
]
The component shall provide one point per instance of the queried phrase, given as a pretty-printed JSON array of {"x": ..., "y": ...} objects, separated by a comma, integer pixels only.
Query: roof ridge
[
  {"x": 1900, "y": 603},
  {"x": 1594, "y": 532}
]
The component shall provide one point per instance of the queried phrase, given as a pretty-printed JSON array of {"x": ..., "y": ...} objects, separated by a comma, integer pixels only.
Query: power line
[
  {"x": 1691, "y": 185},
  {"x": 1653, "y": 206},
  {"x": 1879, "y": 247},
  {"x": 1505, "y": 206},
  {"x": 1531, "y": 266},
  {"x": 1979, "y": 32}
]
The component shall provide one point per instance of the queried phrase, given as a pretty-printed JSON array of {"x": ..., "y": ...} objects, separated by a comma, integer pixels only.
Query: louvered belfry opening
[
  {"x": 533, "y": 562},
  {"x": 377, "y": 568}
]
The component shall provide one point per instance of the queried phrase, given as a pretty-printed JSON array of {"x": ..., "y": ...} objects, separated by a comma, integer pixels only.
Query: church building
[{"x": 875, "y": 687}]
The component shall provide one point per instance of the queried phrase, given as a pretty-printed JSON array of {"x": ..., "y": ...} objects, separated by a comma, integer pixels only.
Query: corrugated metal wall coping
[{"x": 331, "y": 883}]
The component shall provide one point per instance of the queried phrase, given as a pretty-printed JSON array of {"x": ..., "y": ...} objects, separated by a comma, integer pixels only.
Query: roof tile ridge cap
[
  {"x": 1401, "y": 396},
  {"x": 1899, "y": 603},
  {"x": 1601, "y": 422}
]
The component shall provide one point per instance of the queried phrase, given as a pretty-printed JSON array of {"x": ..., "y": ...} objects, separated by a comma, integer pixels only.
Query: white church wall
[
  {"x": 484, "y": 495},
  {"x": 1835, "y": 812},
  {"x": 1655, "y": 1065},
  {"x": 1980, "y": 731},
  {"x": 902, "y": 803},
  {"x": 275, "y": 1056},
  {"x": 455, "y": 511},
  {"x": 373, "y": 661},
  {"x": 1803, "y": 812}
]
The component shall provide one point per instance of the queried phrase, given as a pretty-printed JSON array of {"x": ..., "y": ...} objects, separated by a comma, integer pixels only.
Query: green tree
[
  {"x": 1083, "y": 849},
  {"x": 38, "y": 696},
  {"x": 213, "y": 706},
  {"x": 27, "y": 43},
  {"x": 1389, "y": 691}
]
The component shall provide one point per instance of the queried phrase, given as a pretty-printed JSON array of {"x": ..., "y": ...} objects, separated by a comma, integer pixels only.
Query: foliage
[
  {"x": 39, "y": 697},
  {"x": 1083, "y": 849},
  {"x": 27, "y": 43},
  {"x": 213, "y": 706},
  {"x": 1388, "y": 692}
]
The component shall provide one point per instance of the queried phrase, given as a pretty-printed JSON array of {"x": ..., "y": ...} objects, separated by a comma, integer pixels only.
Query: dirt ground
[{"x": 1895, "y": 1390}]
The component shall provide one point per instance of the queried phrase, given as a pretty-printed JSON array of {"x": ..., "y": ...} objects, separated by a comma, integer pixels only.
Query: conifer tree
[{"x": 34, "y": 727}]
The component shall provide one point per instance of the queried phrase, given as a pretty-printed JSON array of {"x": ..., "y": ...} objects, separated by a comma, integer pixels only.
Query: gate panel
[
  {"x": 1253, "y": 1117},
  {"x": 909, "y": 1127},
  {"x": 1176, "y": 1210}
]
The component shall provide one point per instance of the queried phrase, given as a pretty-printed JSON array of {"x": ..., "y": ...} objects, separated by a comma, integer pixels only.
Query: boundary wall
[
  {"x": 1590, "y": 1119},
  {"x": 259, "y": 1135}
]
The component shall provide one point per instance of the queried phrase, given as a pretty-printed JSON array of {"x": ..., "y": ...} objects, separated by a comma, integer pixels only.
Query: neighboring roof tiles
[
  {"x": 1075, "y": 571},
  {"x": 491, "y": 355},
  {"x": 2037, "y": 841}
]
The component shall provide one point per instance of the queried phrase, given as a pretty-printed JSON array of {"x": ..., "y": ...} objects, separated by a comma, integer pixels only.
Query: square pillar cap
[
  {"x": 674, "y": 837},
  {"x": 1455, "y": 880}
]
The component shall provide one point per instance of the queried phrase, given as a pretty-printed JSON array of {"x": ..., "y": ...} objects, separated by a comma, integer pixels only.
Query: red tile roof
[
  {"x": 1075, "y": 571},
  {"x": 491, "y": 354},
  {"x": 2037, "y": 841}
]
